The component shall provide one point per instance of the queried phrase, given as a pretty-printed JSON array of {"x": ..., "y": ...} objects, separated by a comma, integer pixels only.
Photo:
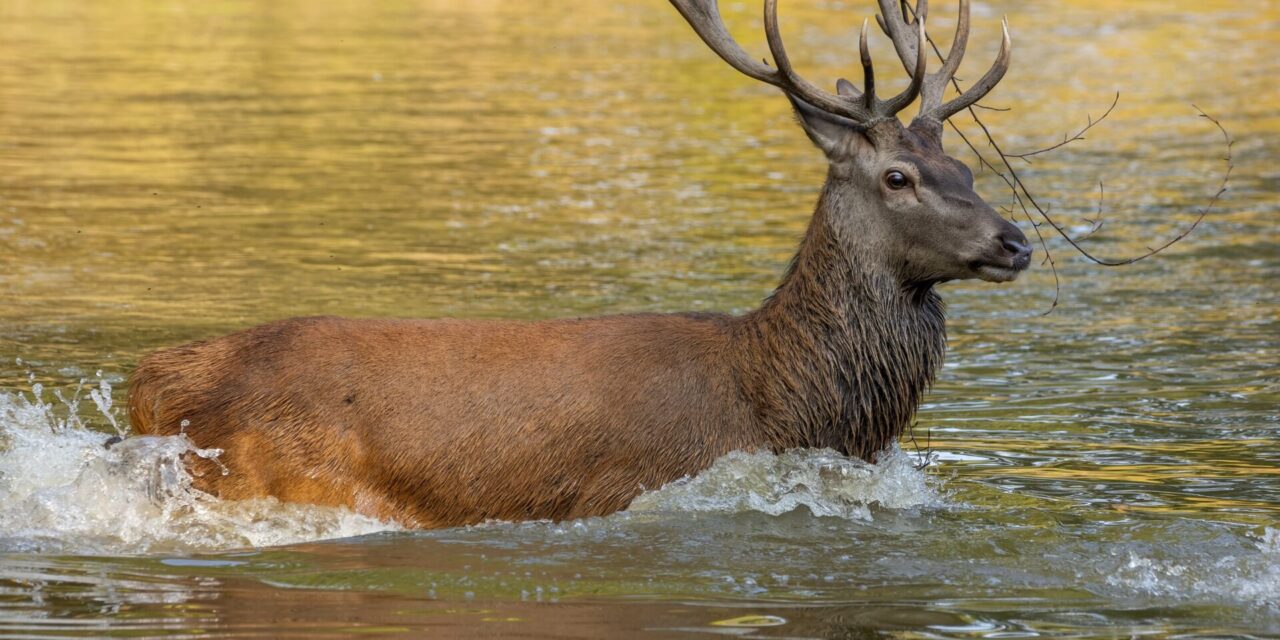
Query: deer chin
[{"x": 997, "y": 273}]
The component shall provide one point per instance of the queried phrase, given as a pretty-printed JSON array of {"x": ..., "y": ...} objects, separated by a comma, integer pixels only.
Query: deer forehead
[{"x": 893, "y": 144}]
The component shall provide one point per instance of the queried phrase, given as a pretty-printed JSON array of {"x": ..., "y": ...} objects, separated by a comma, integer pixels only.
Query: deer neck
[{"x": 841, "y": 353}]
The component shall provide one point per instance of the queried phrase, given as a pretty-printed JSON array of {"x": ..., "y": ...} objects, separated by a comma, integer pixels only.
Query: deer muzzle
[{"x": 1008, "y": 256}]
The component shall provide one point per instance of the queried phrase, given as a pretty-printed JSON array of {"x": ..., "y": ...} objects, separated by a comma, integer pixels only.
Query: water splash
[
  {"x": 1249, "y": 575},
  {"x": 63, "y": 490},
  {"x": 823, "y": 481},
  {"x": 102, "y": 400}
]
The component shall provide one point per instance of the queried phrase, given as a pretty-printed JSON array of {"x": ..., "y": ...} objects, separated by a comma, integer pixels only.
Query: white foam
[
  {"x": 63, "y": 490},
  {"x": 1252, "y": 578},
  {"x": 823, "y": 481}
]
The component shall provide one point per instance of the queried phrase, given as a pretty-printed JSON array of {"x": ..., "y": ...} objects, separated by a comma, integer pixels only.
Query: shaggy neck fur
[{"x": 841, "y": 353}]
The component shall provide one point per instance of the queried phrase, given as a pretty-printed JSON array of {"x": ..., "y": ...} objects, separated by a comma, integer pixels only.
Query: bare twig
[
  {"x": 925, "y": 457},
  {"x": 1096, "y": 222},
  {"x": 1026, "y": 201},
  {"x": 1017, "y": 189},
  {"x": 1066, "y": 140},
  {"x": 1151, "y": 251}
]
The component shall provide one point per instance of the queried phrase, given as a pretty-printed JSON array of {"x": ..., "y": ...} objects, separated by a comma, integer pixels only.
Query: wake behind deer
[{"x": 445, "y": 422}]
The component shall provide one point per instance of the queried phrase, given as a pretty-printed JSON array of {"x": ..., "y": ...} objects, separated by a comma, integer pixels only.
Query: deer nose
[{"x": 1013, "y": 241}]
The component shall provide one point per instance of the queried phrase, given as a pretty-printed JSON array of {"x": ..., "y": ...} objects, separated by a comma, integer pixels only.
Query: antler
[
  {"x": 896, "y": 19},
  {"x": 863, "y": 108}
]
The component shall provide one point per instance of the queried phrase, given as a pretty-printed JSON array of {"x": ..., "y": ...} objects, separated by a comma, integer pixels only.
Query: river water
[{"x": 177, "y": 170}]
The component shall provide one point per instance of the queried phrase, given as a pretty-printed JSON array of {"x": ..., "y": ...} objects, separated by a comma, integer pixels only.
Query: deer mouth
[
  {"x": 1006, "y": 268},
  {"x": 997, "y": 273}
]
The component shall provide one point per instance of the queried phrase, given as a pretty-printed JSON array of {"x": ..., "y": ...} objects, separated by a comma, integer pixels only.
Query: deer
[{"x": 445, "y": 422}]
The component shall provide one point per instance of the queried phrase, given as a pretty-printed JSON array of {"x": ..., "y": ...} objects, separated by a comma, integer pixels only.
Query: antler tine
[
  {"x": 797, "y": 85},
  {"x": 954, "y": 56},
  {"x": 982, "y": 86},
  {"x": 896, "y": 19},
  {"x": 704, "y": 17},
  {"x": 900, "y": 101},
  {"x": 935, "y": 86},
  {"x": 893, "y": 21},
  {"x": 868, "y": 72},
  {"x": 887, "y": 108}
]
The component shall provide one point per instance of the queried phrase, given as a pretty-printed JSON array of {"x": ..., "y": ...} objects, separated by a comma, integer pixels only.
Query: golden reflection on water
[
  {"x": 233, "y": 162},
  {"x": 171, "y": 171}
]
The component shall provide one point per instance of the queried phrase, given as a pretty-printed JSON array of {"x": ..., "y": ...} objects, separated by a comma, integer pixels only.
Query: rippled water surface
[{"x": 172, "y": 171}]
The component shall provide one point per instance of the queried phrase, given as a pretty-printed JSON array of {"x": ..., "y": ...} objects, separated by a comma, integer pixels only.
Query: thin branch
[
  {"x": 1026, "y": 200},
  {"x": 1151, "y": 251},
  {"x": 1096, "y": 222},
  {"x": 925, "y": 457},
  {"x": 1015, "y": 184},
  {"x": 1066, "y": 140}
]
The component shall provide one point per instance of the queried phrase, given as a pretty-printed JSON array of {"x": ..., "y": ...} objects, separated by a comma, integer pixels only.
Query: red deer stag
[{"x": 440, "y": 423}]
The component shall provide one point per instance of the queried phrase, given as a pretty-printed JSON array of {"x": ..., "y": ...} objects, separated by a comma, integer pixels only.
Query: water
[{"x": 172, "y": 172}]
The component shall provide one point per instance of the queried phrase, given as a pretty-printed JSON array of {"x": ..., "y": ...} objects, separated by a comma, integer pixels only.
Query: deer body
[
  {"x": 440, "y": 422},
  {"x": 447, "y": 422}
]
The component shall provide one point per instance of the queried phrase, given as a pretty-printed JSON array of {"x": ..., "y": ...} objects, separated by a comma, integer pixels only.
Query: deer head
[{"x": 891, "y": 188}]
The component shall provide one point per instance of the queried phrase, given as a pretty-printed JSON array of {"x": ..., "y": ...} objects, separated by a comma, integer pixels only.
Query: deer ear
[{"x": 827, "y": 131}]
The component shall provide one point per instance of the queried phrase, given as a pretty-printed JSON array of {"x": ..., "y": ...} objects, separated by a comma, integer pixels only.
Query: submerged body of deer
[{"x": 447, "y": 422}]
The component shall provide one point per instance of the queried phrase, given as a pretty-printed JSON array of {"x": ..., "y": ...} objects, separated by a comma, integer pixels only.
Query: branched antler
[
  {"x": 895, "y": 19},
  {"x": 862, "y": 108}
]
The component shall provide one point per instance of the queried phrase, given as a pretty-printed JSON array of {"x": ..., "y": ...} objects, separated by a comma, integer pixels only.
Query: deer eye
[{"x": 896, "y": 180}]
